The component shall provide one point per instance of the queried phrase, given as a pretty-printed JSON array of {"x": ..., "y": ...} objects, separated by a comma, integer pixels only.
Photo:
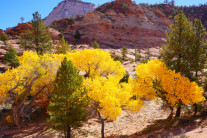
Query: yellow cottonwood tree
[
  {"x": 103, "y": 75},
  {"x": 34, "y": 75},
  {"x": 155, "y": 80},
  {"x": 109, "y": 96}
]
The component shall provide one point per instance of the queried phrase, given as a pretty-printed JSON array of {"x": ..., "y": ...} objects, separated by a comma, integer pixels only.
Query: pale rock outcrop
[{"x": 67, "y": 9}]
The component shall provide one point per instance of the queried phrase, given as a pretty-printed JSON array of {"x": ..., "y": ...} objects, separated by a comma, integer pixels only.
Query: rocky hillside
[
  {"x": 61, "y": 25},
  {"x": 67, "y": 9},
  {"x": 14, "y": 33},
  {"x": 191, "y": 12},
  {"x": 122, "y": 23}
]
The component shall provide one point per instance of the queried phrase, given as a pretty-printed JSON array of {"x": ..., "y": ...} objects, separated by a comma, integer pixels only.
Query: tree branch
[{"x": 11, "y": 92}]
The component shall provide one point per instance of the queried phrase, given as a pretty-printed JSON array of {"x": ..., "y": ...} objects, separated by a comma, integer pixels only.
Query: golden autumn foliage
[
  {"x": 96, "y": 62},
  {"x": 31, "y": 65},
  {"x": 155, "y": 80},
  {"x": 110, "y": 96}
]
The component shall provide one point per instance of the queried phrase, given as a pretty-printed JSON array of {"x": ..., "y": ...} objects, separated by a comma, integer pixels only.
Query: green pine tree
[
  {"x": 197, "y": 54},
  {"x": 38, "y": 37},
  {"x": 11, "y": 57},
  {"x": 198, "y": 50},
  {"x": 124, "y": 51},
  {"x": 67, "y": 108},
  {"x": 77, "y": 34},
  {"x": 4, "y": 37},
  {"x": 95, "y": 45},
  {"x": 63, "y": 47},
  {"x": 179, "y": 40},
  {"x": 175, "y": 55},
  {"x": 137, "y": 54}
]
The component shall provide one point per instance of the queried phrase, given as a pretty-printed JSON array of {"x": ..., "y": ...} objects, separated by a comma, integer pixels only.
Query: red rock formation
[
  {"x": 62, "y": 24},
  {"x": 122, "y": 23},
  {"x": 123, "y": 1},
  {"x": 1, "y": 32},
  {"x": 20, "y": 28}
]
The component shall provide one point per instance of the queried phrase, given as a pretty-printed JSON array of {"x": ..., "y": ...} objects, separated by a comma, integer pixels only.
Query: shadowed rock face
[
  {"x": 67, "y": 9},
  {"x": 121, "y": 23}
]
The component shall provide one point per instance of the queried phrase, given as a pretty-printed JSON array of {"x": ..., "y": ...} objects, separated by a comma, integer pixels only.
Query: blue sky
[{"x": 12, "y": 10}]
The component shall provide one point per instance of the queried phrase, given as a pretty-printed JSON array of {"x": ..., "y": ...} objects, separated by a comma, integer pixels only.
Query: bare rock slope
[
  {"x": 122, "y": 23},
  {"x": 67, "y": 9}
]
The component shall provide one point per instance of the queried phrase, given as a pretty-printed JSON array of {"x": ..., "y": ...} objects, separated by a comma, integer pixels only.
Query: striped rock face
[{"x": 67, "y": 9}]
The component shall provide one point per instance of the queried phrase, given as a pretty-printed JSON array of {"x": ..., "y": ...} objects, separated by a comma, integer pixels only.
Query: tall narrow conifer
[{"x": 67, "y": 108}]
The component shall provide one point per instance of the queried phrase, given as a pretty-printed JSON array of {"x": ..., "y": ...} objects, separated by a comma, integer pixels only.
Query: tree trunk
[
  {"x": 68, "y": 135},
  {"x": 195, "y": 105},
  {"x": 28, "y": 106},
  {"x": 16, "y": 115},
  {"x": 102, "y": 128},
  {"x": 19, "y": 104},
  {"x": 178, "y": 110},
  {"x": 171, "y": 114},
  {"x": 196, "y": 109},
  {"x": 102, "y": 125}
]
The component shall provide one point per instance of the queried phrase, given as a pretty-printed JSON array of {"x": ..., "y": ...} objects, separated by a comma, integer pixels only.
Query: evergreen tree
[
  {"x": 176, "y": 54},
  {"x": 118, "y": 58},
  {"x": 172, "y": 3},
  {"x": 137, "y": 54},
  {"x": 95, "y": 45},
  {"x": 63, "y": 47},
  {"x": 4, "y": 37},
  {"x": 179, "y": 40},
  {"x": 67, "y": 108},
  {"x": 124, "y": 51},
  {"x": 77, "y": 34},
  {"x": 38, "y": 37},
  {"x": 11, "y": 57},
  {"x": 198, "y": 53},
  {"x": 198, "y": 49}
]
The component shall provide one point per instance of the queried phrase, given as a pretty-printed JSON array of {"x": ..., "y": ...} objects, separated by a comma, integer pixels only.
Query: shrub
[
  {"x": 4, "y": 37},
  {"x": 11, "y": 57},
  {"x": 124, "y": 52},
  {"x": 77, "y": 34},
  {"x": 118, "y": 58},
  {"x": 95, "y": 45}
]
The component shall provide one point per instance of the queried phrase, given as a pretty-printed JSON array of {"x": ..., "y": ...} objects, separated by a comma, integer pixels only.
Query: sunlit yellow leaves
[
  {"x": 31, "y": 65},
  {"x": 154, "y": 80},
  {"x": 111, "y": 96},
  {"x": 96, "y": 62}
]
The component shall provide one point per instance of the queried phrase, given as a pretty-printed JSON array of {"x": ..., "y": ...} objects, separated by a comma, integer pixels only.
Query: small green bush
[
  {"x": 77, "y": 34},
  {"x": 118, "y": 58},
  {"x": 124, "y": 51},
  {"x": 4, "y": 38},
  {"x": 125, "y": 78},
  {"x": 95, "y": 45},
  {"x": 11, "y": 57}
]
